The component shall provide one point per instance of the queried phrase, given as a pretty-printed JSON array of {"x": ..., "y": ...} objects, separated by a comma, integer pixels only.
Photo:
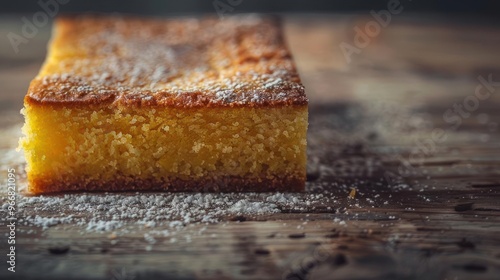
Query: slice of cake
[{"x": 175, "y": 105}]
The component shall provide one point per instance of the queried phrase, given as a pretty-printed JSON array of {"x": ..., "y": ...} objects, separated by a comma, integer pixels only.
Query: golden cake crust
[{"x": 235, "y": 62}]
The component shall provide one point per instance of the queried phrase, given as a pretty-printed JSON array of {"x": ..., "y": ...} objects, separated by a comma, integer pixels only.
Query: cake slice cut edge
[{"x": 193, "y": 105}]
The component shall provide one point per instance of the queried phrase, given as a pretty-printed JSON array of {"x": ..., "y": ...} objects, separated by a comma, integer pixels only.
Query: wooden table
[{"x": 426, "y": 181}]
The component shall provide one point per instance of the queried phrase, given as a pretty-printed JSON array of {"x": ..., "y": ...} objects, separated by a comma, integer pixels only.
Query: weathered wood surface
[{"x": 426, "y": 207}]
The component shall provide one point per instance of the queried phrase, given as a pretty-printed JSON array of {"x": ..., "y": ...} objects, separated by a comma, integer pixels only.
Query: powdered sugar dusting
[
  {"x": 183, "y": 62},
  {"x": 113, "y": 211}
]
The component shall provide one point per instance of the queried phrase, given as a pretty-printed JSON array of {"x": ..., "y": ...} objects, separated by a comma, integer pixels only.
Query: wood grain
[{"x": 425, "y": 207}]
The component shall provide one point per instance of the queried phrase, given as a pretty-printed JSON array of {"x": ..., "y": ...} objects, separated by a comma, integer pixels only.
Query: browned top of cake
[{"x": 186, "y": 62}]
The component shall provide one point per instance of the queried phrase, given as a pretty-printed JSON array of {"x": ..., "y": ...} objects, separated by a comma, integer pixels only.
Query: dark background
[{"x": 158, "y": 7}]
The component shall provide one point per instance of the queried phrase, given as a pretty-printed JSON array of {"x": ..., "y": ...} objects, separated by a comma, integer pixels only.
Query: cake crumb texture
[{"x": 156, "y": 147}]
